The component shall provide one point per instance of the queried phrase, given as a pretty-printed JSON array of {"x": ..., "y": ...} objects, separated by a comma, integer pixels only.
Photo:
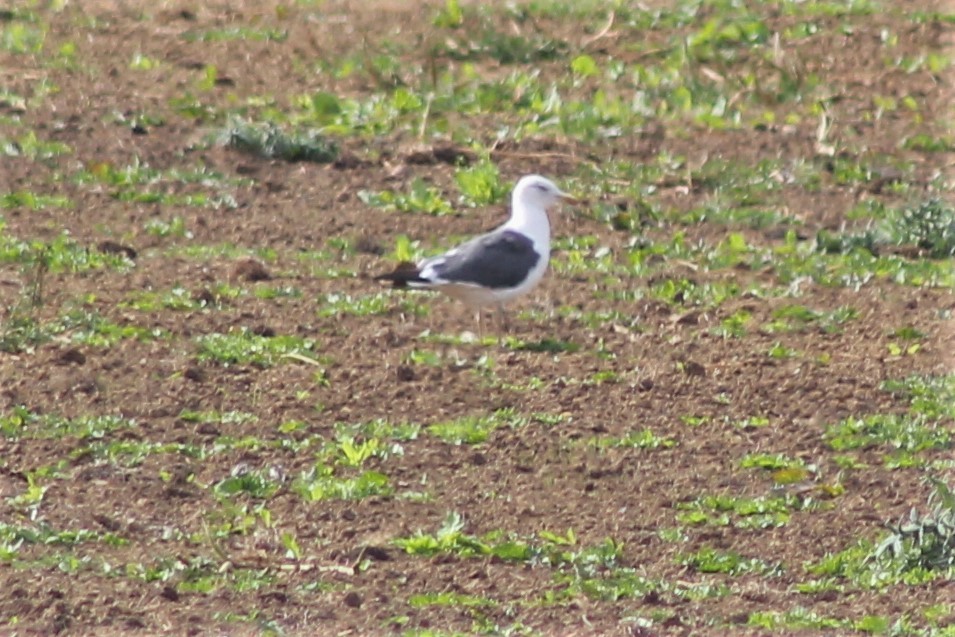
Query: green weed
[
  {"x": 472, "y": 430},
  {"x": 22, "y": 423},
  {"x": 235, "y": 33},
  {"x": 643, "y": 439},
  {"x": 905, "y": 435},
  {"x": 382, "y": 303},
  {"x": 33, "y": 201},
  {"x": 741, "y": 512},
  {"x": 33, "y": 148},
  {"x": 923, "y": 542},
  {"x": 255, "y": 484},
  {"x": 270, "y": 142},
  {"x": 710, "y": 560},
  {"x": 243, "y": 347},
  {"x": 321, "y": 483},
  {"x": 798, "y": 618},
  {"x": 21, "y": 38},
  {"x": 420, "y": 198}
]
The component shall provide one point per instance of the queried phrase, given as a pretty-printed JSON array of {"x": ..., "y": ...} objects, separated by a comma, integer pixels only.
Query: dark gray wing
[{"x": 496, "y": 260}]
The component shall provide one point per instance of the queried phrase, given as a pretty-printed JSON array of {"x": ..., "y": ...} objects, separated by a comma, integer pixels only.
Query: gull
[{"x": 497, "y": 267}]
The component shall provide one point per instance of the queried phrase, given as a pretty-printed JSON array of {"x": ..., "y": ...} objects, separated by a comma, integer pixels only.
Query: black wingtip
[{"x": 405, "y": 273}]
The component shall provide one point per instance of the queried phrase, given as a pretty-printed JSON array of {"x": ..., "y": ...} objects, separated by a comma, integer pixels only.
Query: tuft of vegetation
[
  {"x": 268, "y": 141},
  {"x": 244, "y": 347},
  {"x": 923, "y": 542},
  {"x": 929, "y": 225}
]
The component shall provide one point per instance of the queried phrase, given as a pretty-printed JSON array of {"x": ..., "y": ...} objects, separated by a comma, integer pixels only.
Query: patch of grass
[
  {"x": 228, "y": 417},
  {"x": 595, "y": 571},
  {"x": 919, "y": 543},
  {"x": 741, "y": 512},
  {"x": 472, "y": 430},
  {"x": 33, "y": 201},
  {"x": 797, "y": 318},
  {"x": 132, "y": 453},
  {"x": 21, "y": 38},
  {"x": 734, "y": 325},
  {"x": 420, "y": 198},
  {"x": 751, "y": 422},
  {"x": 243, "y": 347},
  {"x": 23, "y": 423},
  {"x": 89, "y": 328},
  {"x": 177, "y": 299},
  {"x": 480, "y": 184},
  {"x": 485, "y": 41},
  {"x": 350, "y": 451},
  {"x": 253, "y": 483},
  {"x": 33, "y": 148},
  {"x": 643, "y": 439},
  {"x": 14, "y": 537},
  {"x": 798, "y": 618},
  {"x": 449, "y": 599},
  {"x": 175, "y": 227},
  {"x": 859, "y": 565},
  {"x": 61, "y": 254},
  {"x": 929, "y": 396},
  {"x": 929, "y": 225},
  {"x": 321, "y": 483},
  {"x": 240, "y": 32},
  {"x": 546, "y": 345},
  {"x": 268, "y": 141},
  {"x": 380, "y": 428},
  {"x": 336, "y": 305},
  {"x": 710, "y": 560},
  {"x": 770, "y": 461},
  {"x": 905, "y": 435},
  {"x": 449, "y": 538}
]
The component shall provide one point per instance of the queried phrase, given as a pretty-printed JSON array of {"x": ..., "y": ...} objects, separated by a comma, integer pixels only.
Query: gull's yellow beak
[{"x": 570, "y": 198}]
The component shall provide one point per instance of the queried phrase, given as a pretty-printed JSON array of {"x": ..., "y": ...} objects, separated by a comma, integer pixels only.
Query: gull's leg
[
  {"x": 505, "y": 325},
  {"x": 480, "y": 325}
]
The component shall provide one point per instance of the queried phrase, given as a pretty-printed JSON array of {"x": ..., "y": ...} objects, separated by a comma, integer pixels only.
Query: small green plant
[
  {"x": 235, "y": 33},
  {"x": 33, "y": 201},
  {"x": 710, "y": 560},
  {"x": 243, "y": 347},
  {"x": 930, "y": 396},
  {"x": 32, "y": 147},
  {"x": 22, "y": 423},
  {"x": 929, "y": 225},
  {"x": 450, "y": 16},
  {"x": 796, "y": 619},
  {"x": 734, "y": 326},
  {"x": 643, "y": 439},
  {"x": 420, "y": 198},
  {"x": 480, "y": 184},
  {"x": 450, "y": 537},
  {"x": 255, "y": 484},
  {"x": 472, "y": 430},
  {"x": 21, "y": 38},
  {"x": 923, "y": 542},
  {"x": 175, "y": 227},
  {"x": 321, "y": 483},
  {"x": 741, "y": 512},
  {"x": 336, "y": 305},
  {"x": 906, "y": 435},
  {"x": 270, "y": 142}
]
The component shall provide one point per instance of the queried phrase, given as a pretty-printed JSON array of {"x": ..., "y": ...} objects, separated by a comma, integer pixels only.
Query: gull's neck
[{"x": 531, "y": 221}]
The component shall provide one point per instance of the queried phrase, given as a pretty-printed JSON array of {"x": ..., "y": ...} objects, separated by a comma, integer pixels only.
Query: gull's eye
[{"x": 541, "y": 187}]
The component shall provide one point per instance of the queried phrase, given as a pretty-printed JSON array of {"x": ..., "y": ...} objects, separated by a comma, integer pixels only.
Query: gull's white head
[{"x": 534, "y": 191}]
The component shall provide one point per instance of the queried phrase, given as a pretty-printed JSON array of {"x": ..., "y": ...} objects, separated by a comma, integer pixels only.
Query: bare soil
[{"x": 524, "y": 480}]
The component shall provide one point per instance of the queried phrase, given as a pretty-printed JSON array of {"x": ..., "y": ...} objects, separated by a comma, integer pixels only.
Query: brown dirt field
[{"x": 663, "y": 364}]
